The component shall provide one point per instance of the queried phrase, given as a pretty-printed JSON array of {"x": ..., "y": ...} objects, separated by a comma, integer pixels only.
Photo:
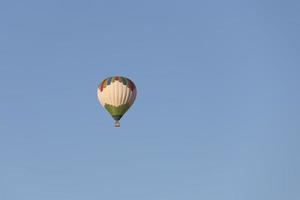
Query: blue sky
[{"x": 217, "y": 114}]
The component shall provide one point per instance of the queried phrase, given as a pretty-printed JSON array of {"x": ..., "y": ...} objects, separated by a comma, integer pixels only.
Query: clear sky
[{"x": 217, "y": 115}]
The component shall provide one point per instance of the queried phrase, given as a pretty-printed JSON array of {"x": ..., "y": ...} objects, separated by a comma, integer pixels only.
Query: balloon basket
[{"x": 117, "y": 124}]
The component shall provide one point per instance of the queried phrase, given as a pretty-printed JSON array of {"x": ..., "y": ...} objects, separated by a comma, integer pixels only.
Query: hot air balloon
[{"x": 116, "y": 94}]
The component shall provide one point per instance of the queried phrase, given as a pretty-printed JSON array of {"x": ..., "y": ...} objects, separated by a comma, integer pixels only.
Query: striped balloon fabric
[{"x": 116, "y": 94}]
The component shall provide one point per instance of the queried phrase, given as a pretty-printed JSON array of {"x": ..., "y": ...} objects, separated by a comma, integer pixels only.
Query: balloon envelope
[{"x": 116, "y": 94}]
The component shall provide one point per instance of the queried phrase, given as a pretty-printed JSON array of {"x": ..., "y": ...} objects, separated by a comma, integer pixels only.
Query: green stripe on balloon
[{"x": 117, "y": 111}]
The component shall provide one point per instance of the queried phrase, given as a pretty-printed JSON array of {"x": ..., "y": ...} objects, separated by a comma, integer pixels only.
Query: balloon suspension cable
[{"x": 117, "y": 124}]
